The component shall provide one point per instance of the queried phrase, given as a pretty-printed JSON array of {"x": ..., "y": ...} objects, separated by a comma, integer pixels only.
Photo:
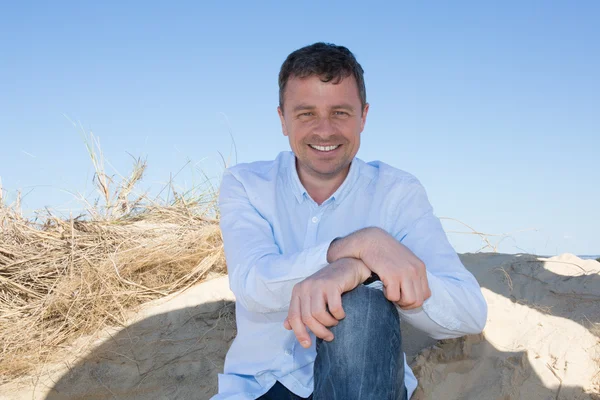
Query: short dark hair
[{"x": 330, "y": 62}]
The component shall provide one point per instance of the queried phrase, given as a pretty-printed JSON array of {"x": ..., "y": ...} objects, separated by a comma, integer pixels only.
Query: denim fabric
[{"x": 365, "y": 360}]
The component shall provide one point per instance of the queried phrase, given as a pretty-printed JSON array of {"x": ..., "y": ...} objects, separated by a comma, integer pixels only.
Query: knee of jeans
[{"x": 367, "y": 307}]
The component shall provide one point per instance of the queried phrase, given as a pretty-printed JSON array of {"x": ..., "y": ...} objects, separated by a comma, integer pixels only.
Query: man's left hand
[{"x": 402, "y": 273}]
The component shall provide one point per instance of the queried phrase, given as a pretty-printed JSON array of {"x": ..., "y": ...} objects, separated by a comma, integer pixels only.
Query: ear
[
  {"x": 363, "y": 118},
  {"x": 282, "y": 119}
]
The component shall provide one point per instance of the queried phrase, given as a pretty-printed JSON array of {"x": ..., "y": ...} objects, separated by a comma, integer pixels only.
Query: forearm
[
  {"x": 360, "y": 271},
  {"x": 354, "y": 245},
  {"x": 456, "y": 306},
  {"x": 263, "y": 280}
]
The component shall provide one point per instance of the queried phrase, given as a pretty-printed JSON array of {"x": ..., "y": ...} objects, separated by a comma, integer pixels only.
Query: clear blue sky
[{"x": 495, "y": 107}]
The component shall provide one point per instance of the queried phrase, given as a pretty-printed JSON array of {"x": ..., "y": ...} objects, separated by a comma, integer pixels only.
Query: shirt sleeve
[
  {"x": 456, "y": 306},
  {"x": 260, "y": 276}
]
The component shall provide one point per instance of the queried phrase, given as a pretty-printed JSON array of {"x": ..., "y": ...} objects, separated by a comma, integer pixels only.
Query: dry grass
[
  {"x": 485, "y": 237},
  {"x": 61, "y": 278}
]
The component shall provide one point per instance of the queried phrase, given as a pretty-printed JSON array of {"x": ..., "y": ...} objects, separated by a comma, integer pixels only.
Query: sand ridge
[{"x": 541, "y": 340}]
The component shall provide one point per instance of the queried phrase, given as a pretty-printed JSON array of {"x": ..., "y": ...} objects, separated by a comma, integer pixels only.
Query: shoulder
[
  {"x": 383, "y": 175},
  {"x": 395, "y": 188},
  {"x": 398, "y": 193},
  {"x": 255, "y": 180},
  {"x": 259, "y": 171}
]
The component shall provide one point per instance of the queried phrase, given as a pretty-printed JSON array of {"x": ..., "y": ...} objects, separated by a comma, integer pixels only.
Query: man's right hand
[{"x": 316, "y": 302}]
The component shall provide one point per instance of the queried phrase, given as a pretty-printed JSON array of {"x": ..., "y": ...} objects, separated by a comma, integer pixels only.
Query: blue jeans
[{"x": 365, "y": 359}]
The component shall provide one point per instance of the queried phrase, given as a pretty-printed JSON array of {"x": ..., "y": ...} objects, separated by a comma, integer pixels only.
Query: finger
[
  {"x": 311, "y": 322},
  {"x": 418, "y": 293},
  {"x": 391, "y": 290},
  {"x": 319, "y": 311},
  {"x": 293, "y": 312},
  {"x": 334, "y": 304},
  {"x": 408, "y": 295},
  {"x": 295, "y": 321},
  {"x": 426, "y": 288}
]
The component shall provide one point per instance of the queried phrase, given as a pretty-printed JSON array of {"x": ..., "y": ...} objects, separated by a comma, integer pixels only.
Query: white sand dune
[{"x": 542, "y": 341}]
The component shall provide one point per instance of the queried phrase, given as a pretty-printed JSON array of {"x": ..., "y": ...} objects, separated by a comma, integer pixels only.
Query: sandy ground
[{"x": 542, "y": 341}]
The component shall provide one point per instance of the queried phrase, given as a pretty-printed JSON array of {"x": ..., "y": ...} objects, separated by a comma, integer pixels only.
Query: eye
[
  {"x": 306, "y": 114},
  {"x": 341, "y": 113}
]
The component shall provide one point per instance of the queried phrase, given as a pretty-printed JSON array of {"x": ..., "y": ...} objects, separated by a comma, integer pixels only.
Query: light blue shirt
[{"x": 275, "y": 236}]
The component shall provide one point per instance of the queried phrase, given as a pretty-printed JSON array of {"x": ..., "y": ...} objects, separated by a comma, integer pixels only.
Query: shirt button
[
  {"x": 315, "y": 219},
  {"x": 288, "y": 352}
]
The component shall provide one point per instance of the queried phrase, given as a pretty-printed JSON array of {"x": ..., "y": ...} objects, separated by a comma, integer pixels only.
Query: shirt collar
[{"x": 338, "y": 196}]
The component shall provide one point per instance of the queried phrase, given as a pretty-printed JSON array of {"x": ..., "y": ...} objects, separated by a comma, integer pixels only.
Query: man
[{"x": 327, "y": 254}]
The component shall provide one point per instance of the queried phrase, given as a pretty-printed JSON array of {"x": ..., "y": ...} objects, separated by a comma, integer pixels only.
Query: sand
[{"x": 542, "y": 341}]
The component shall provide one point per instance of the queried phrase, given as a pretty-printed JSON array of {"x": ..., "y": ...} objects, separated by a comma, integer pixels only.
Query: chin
[{"x": 331, "y": 171}]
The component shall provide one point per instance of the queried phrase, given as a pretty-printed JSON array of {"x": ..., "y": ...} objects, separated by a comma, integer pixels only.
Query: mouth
[{"x": 324, "y": 149}]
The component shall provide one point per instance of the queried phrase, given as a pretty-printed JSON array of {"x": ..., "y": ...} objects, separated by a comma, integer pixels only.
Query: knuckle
[
  {"x": 393, "y": 296},
  {"x": 294, "y": 318},
  {"x": 304, "y": 287},
  {"x": 335, "y": 309},
  {"x": 408, "y": 300},
  {"x": 408, "y": 304},
  {"x": 414, "y": 271},
  {"x": 322, "y": 315}
]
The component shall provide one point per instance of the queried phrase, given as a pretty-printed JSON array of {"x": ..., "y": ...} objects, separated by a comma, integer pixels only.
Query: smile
[{"x": 324, "y": 148}]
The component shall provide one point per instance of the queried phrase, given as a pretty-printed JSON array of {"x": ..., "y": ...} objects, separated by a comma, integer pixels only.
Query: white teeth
[{"x": 324, "y": 148}]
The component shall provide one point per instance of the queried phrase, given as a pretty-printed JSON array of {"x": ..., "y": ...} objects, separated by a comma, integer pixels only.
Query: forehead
[{"x": 314, "y": 91}]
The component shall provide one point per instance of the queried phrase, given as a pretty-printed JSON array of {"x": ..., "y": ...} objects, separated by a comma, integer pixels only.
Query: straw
[{"x": 63, "y": 278}]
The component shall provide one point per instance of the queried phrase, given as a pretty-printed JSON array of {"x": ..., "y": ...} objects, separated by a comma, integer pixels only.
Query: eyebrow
[
  {"x": 342, "y": 106},
  {"x": 301, "y": 107}
]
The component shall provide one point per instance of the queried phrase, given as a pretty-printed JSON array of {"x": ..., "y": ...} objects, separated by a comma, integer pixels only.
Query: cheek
[
  {"x": 300, "y": 130},
  {"x": 348, "y": 128}
]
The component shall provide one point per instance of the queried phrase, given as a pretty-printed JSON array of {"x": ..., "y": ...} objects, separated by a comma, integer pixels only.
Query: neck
[{"x": 320, "y": 187}]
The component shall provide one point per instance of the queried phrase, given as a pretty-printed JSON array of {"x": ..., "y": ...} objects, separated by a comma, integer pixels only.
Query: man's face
[{"x": 323, "y": 122}]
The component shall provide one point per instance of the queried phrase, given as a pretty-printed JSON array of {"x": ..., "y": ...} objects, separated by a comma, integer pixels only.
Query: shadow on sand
[
  {"x": 529, "y": 282},
  {"x": 174, "y": 355},
  {"x": 178, "y": 354}
]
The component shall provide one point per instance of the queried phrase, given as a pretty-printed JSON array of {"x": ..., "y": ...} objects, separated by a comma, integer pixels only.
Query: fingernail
[{"x": 305, "y": 343}]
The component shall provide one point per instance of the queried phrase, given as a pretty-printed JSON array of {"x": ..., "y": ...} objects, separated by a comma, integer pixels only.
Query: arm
[
  {"x": 260, "y": 276},
  {"x": 455, "y": 306}
]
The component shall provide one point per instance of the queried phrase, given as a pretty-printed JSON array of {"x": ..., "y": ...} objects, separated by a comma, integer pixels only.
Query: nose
[{"x": 324, "y": 128}]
